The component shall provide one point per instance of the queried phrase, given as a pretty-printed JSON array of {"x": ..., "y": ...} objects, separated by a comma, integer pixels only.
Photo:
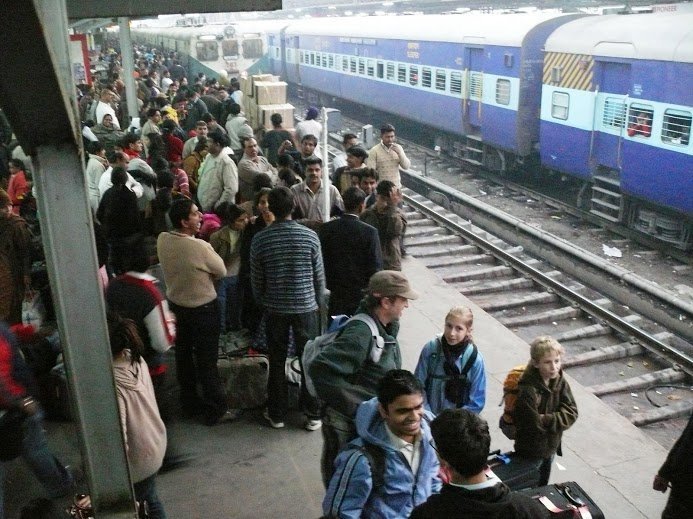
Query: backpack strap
[
  {"x": 470, "y": 354},
  {"x": 376, "y": 459},
  {"x": 377, "y": 342}
]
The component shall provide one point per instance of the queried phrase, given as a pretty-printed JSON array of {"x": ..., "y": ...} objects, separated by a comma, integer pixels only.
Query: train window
[
  {"x": 475, "y": 85},
  {"x": 229, "y": 49},
  {"x": 207, "y": 50},
  {"x": 345, "y": 64},
  {"x": 324, "y": 60},
  {"x": 560, "y": 102},
  {"x": 676, "y": 127},
  {"x": 508, "y": 60},
  {"x": 352, "y": 65},
  {"x": 455, "y": 83},
  {"x": 413, "y": 75},
  {"x": 441, "y": 79},
  {"x": 380, "y": 70},
  {"x": 370, "y": 67},
  {"x": 401, "y": 73},
  {"x": 252, "y": 48},
  {"x": 640, "y": 120},
  {"x": 312, "y": 58},
  {"x": 390, "y": 71},
  {"x": 362, "y": 67},
  {"x": 503, "y": 92},
  {"x": 330, "y": 61},
  {"x": 614, "y": 112},
  {"x": 426, "y": 77}
]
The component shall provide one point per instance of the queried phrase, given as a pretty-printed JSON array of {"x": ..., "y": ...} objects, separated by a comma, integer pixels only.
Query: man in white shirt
[{"x": 218, "y": 174}]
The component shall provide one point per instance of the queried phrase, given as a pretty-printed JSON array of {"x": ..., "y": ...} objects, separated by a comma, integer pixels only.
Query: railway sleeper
[
  {"x": 527, "y": 300},
  {"x": 558, "y": 314},
  {"x": 436, "y": 252},
  {"x": 476, "y": 287},
  {"x": 593, "y": 330},
  {"x": 482, "y": 273},
  {"x": 663, "y": 376},
  {"x": 522, "y": 312},
  {"x": 433, "y": 240},
  {"x": 429, "y": 230},
  {"x": 419, "y": 223},
  {"x": 459, "y": 260},
  {"x": 660, "y": 414},
  {"x": 617, "y": 351}
]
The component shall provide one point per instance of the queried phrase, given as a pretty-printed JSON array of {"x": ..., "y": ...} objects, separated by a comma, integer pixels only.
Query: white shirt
[
  {"x": 410, "y": 451},
  {"x": 105, "y": 183}
]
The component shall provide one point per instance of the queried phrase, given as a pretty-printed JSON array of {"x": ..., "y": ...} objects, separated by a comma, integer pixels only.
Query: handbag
[{"x": 12, "y": 433}]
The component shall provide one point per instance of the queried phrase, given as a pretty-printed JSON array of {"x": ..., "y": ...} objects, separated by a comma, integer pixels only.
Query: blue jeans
[
  {"x": 145, "y": 490},
  {"x": 229, "y": 298},
  {"x": 56, "y": 480}
]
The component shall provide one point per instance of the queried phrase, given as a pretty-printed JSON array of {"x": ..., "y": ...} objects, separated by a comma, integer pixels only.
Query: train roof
[
  {"x": 490, "y": 29},
  {"x": 656, "y": 36}
]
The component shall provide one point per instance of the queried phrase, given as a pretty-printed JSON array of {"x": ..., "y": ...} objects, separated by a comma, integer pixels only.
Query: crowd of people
[{"x": 235, "y": 219}]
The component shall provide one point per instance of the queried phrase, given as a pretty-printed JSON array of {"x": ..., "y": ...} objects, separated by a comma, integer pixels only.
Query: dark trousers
[
  {"x": 337, "y": 431},
  {"x": 545, "y": 471},
  {"x": 197, "y": 347},
  {"x": 305, "y": 327},
  {"x": 342, "y": 302}
]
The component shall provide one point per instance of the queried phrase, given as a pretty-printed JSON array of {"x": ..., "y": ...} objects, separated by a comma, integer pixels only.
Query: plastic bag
[{"x": 33, "y": 311}]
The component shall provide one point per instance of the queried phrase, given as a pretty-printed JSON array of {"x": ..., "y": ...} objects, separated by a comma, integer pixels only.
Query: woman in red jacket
[{"x": 18, "y": 186}]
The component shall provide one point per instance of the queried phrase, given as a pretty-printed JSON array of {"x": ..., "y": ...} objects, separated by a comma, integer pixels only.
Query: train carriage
[
  {"x": 617, "y": 102},
  {"x": 476, "y": 78},
  {"x": 219, "y": 51}
]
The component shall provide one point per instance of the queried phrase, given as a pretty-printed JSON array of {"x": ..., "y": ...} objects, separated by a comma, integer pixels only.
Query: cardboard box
[
  {"x": 265, "y": 112},
  {"x": 251, "y": 113},
  {"x": 246, "y": 87},
  {"x": 256, "y": 78},
  {"x": 270, "y": 93}
]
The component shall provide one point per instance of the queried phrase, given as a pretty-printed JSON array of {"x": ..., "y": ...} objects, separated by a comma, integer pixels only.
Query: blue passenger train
[{"x": 605, "y": 99}]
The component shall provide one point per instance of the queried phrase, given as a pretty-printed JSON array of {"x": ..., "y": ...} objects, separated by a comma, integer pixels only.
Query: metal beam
[
  {"x": 36, "y": 59},
  {"x": 134, "y": 8}
]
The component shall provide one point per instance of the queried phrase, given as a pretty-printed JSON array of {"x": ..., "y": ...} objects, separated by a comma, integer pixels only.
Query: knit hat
[
  {"x": 312, "y": 113},
  {"x": 388, "y": 283}
]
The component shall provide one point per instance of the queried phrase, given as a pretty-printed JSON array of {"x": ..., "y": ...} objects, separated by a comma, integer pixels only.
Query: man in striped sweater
[{"x": 288, "y": 281}]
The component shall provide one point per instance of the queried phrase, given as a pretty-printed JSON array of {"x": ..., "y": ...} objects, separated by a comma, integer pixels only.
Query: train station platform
[{"x": 247, "y": 470}]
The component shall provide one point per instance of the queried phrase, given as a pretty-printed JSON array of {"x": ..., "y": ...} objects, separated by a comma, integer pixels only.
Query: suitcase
[
  {"x": 566, "y": 500},
  {"x": 56, "y": 394},
  {"x": 245, "y": 379},
  {"x": 516, "y": 472}
]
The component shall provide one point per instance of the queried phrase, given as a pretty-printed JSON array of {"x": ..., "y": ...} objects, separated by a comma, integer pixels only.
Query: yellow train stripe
[{"x": 576, "y": 70}]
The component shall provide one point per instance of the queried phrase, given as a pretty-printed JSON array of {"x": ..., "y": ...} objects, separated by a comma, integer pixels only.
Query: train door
[
  {"x": 609, "y": 127},
  {"x": 610, "y": 117},
  {"x": 474, "y": 88}
]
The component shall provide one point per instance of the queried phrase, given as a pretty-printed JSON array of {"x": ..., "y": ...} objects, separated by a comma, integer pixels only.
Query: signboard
[
  {"x": 79, "y": 59},
  {"x": 131, "y": 8}
]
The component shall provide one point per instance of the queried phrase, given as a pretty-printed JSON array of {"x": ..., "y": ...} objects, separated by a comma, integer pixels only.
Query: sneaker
[
  {"x": 312, "y": 425},
  {"x": 275, "y": 425}
]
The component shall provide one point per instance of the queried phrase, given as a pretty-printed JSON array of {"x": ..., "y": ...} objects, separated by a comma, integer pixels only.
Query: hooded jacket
[
  {"x": 143, "y": 429},
  {"x": 343, "y": 374},
  {"x": 495, "y": 502},
  {"x": 351, "y": 495},
  {"x": 532, "y": 438}
]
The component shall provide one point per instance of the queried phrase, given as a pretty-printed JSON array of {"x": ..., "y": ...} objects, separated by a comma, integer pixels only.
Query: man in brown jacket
[{"x": 391, "y": 223}]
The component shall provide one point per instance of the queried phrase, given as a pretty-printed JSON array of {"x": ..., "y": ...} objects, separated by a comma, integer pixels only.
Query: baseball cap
[{"x": 387, "y": 283}]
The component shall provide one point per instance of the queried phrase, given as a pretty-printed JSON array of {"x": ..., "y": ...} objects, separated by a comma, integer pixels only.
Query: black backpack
[{"x": 462, "y": 376}]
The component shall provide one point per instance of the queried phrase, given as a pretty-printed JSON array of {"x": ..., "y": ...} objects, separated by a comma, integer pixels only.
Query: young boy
[{"x": 545, "y": 406}]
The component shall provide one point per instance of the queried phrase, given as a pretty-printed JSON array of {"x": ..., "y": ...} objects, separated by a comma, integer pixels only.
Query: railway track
[{"x": 614, "y": 352}]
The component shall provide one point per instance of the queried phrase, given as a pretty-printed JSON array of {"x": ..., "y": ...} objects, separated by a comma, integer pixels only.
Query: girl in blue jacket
[{"x": 451, "y": 368}]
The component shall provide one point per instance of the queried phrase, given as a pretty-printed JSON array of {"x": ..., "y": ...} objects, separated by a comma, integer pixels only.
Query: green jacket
[
  {"x": 532, "y": 438},
  {"x": 343, "y": 374}
]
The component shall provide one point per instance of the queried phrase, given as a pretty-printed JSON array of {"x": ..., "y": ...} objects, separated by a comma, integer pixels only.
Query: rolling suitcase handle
[{"x": 579, "y": 509}]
